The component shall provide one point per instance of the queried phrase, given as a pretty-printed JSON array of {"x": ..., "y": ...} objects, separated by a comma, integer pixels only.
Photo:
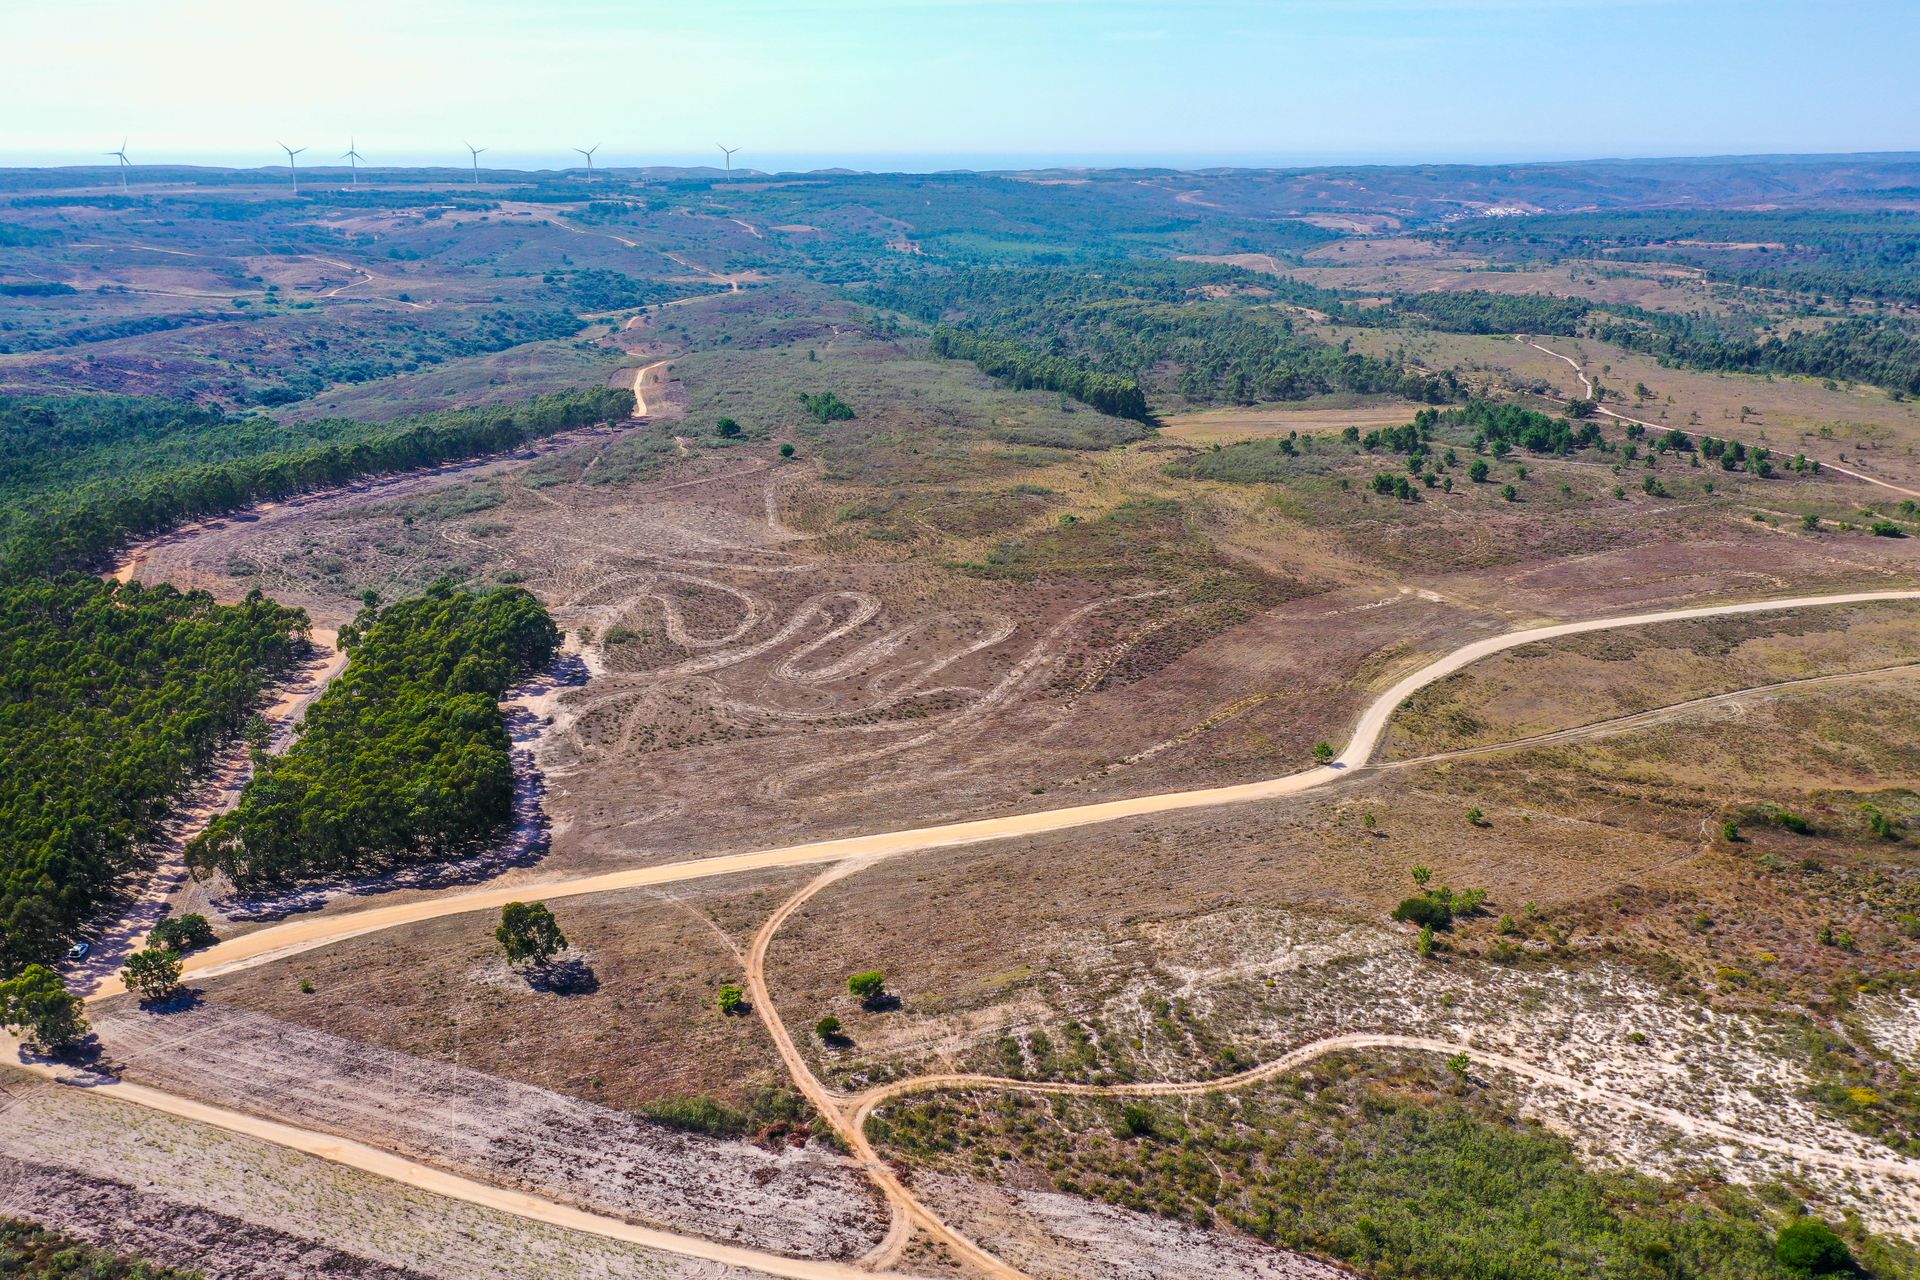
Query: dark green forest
[
  {"x": 1203, "y": 333},
  {"x": 1885, "y": 353},
  {"x": 1831, "y": 254},
  {"x": 111, "y": 698},
  {"x": 404, "y": 758},
  {"x": 1026, "y": 368}
]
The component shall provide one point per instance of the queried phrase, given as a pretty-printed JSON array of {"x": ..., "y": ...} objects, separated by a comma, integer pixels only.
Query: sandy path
[
  {"x": 908, "y": 1212},
  {"x": 297, "y": 936},
  {"x": 1653, "y": 715},
  {"x": 642, "y": 379},
  {"x": 1601, "y": 409},
  {"x": 848, "y": 1115},
  {"x": 423, "y": 1177},
  {"x": 864, "y": 1104}
]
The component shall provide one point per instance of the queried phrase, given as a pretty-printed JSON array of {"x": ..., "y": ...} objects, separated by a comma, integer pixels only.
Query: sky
[{"x": 927, "y": 84}]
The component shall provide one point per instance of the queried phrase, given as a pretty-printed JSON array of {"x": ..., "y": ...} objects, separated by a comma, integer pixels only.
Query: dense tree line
[
  {"x": 1492, "y": 425},
  {"x": 111, "y": 697},
  {"x": 72, "y": 528},
  {"x": 1202, "y": 332},
  {"x": 1026, "y": 368},
  {"x": 1829, "y": 253},
  {"x": 1473, "y": 311},
  {"x": 405, "y": 758},
  {"x": 1885, "y": 353}
]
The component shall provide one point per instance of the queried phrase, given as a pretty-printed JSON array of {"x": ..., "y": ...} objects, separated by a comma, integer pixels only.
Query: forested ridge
[
  {"x": 112, "y": 696},
  {"x": 1885, "y": 353},
  {"x": 1026, "y": 368},
  {"x": 404, "y": 758},
  {"x": 1202, "y": 332},
  {"x": 136, "y": 468},
  {"x": 1838, "y": 255}
]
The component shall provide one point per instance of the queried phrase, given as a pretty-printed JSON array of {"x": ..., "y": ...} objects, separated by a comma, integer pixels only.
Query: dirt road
[
  {"x": 1581, "y": 373},
  {"x": 411, "y": 1173},
  {"x": 848, "y": 1114},
  {"x": 864, "y": 1104},
  {"x": 305, "y": 934},
  {"x": 643, "y": 378}
]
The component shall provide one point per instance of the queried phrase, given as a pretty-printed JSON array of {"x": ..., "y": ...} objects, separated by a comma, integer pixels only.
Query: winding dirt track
[
  {"x": 848, "y": 1113},
  {"x": 304, "y": 935},
  {"x": 863, "y": 1105},
  {"x": 1581, "y": 373}
]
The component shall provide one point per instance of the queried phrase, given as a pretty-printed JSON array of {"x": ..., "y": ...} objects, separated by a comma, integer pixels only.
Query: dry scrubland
[{"x": 969, "y": 600}]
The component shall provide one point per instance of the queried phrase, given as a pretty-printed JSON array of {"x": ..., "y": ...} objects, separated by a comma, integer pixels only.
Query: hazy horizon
[
  {"x": 535, "y": 163},
  {"x": 827, "y": 83}
]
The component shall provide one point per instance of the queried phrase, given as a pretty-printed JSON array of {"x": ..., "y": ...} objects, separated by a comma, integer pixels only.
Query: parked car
[{"x": 79, "y": 951}]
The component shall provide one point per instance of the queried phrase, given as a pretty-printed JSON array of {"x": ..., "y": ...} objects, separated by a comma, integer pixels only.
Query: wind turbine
[
  {"x": 292, "y": 172},
  {"x": 588, "y": 153},
  {"x": 124, "y": 163},
  {"x": 477, "y": 152},
  {"x": 353, "y": 158},
  {"x": 729, "y": 152}
]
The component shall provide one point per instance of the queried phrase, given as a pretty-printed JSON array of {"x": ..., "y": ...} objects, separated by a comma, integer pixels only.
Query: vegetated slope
[
  {"x": 103, "y": 470},
  {"x": 1885, "y": 353},
  {"x": 32, "y": 1252},
  {"x": 404, "y": 758},
  {"x": 111, "y": 696},
  {"x": 1840, "y": 254},
  {"x": 1408, "y": 1170},
  {"x": 1203, "y": 333}
]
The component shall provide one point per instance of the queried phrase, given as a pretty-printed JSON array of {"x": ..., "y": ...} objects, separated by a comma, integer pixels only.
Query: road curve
[
  {"x": 300, "y": 935},
  {"x": 357, "y": 1155},
  {"x": 864, "y": 1104},
  {"x": 1581, "y": 373}
]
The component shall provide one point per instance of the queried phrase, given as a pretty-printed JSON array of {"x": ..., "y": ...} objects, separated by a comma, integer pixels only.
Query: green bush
[
  {"x": 1811, "y": 1248},
  {"x": 182, "y": 933}
]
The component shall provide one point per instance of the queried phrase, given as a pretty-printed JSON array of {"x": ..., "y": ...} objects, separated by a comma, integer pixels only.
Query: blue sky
[{"x": 933, "y": 83}]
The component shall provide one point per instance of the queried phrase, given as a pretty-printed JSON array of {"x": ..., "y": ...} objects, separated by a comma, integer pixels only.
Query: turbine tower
[
  {"x": 353, "y": 158},
  {"x": 292, "y": 172},
  {"x": 477, "y": 152},
  {"x": 588, "y": 153},
  {"x": 729, "y": 154},
  {"x": 121, "y": 154}
]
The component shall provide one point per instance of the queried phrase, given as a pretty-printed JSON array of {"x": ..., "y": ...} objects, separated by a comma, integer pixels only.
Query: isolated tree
[
  {"x": 37, "y": 1006},
  {"x": 732, "y": 998},
  {"x": 1478, "y": 471},
  {"x": 1510, "y": 493},
  {"x": 828, "y": 1029},
  {"x": 1459, "y": 1064},
  {"x": 1475, "y": 817},
  {"x": 1423, "y": 875},
  {"x": 868, "y": 986},
  {"x": 1323, "y": 751},
  {"x": 786, "y": 450},
  {"x": 181, "y": 933},
  {"x": 528, "y": 931},
  {"x": 726, "y": 427},
  {"x": 153, "y": 974}
]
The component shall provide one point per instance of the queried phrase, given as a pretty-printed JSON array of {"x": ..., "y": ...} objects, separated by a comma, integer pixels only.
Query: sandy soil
[{"x": 802, "y": 1201}]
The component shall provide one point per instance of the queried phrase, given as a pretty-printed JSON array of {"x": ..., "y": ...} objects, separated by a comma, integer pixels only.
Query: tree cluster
[
  {"x": 404, "y": 759},
  {"x": 112, "y": 696}
]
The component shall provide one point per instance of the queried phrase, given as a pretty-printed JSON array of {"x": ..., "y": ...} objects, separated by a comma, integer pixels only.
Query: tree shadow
[
  {"x": 571, "y": 977},
  {"x": 885, "y": 1002}
]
